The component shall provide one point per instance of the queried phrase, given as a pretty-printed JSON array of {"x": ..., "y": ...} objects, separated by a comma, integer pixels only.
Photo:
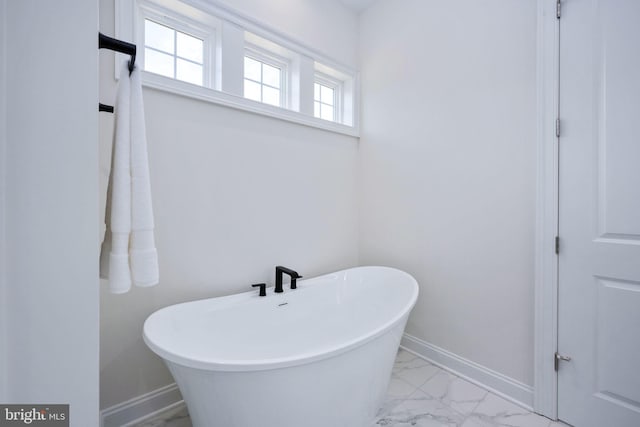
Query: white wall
[
  {"x": 51, "y": 300},
  {"x": 448, "y": 168},
  {"x": 234, "y": 195},
  {"x": 327, "y": 26}
]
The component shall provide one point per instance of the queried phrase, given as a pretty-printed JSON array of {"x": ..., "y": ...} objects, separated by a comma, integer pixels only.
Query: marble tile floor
[{"x": 422, "y": 395}]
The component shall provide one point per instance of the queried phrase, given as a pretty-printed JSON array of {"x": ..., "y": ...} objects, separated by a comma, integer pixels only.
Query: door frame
[{"x": 545, "y": 397}]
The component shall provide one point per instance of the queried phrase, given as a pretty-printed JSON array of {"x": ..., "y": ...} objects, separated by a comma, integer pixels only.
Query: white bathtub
[{"x": 317, "y": 356}]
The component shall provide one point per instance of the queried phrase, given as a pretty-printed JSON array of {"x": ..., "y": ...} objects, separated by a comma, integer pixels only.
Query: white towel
[
  {"x": 128, "y": 252},
  {"x": 143, "y": 254}
]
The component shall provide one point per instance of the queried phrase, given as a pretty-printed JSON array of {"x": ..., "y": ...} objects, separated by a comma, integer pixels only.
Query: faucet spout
[{"x": 280, "y": 270}]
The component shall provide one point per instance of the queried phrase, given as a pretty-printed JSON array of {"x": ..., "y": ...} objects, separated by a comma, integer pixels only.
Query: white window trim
[
  {"x": 238, "y": 102},
  {"x": 269, "y": 58},
  {"x": 207, "y": 33},
  {"x": 126, "y": 28},
  {"x": 338, "y": 99}
]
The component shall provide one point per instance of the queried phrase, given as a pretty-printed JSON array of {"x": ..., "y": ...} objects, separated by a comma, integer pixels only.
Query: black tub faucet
[{"x": 279, "y": 271}]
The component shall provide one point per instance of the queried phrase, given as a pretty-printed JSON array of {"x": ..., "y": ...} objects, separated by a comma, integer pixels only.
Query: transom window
[
  {"x": 262, "y": 81},
  {"x": 173, "y": 53},
  {"x": 200, "y": 50},
  {"x": 324, "y": 102}
]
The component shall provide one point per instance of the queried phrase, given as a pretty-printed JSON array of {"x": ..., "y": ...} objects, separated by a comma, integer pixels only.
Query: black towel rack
[{"x": 106, "y": 42}]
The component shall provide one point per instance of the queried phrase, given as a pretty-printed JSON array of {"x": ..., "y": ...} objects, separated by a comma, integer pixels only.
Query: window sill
[{"x": 213, "y": 96}]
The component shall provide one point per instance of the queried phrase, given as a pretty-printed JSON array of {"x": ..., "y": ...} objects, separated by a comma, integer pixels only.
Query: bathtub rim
[{"x": 222, "y": 365}]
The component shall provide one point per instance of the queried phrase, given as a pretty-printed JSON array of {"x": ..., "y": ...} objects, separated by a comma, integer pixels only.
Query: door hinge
[
  {"x": 557, "y": 357},
  {"x": 558, "y": 9},
  {"x": 558, "y": 127},
  {"x": 557, "y": 245}
]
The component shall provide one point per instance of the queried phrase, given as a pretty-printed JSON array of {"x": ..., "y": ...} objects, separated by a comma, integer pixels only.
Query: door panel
[
  {"x": 617, "y": 373},
  {"x": 599, "y": 188},
  {"x": 617, "y": 56}
]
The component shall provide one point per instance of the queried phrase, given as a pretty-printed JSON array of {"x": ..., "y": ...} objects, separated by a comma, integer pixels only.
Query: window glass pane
[
  {"x": 327, "y": 112},
  {"x": 252, "y": 69},
  {"x": 270, "y": 75},
  {"x": 316, "y": 109},
  {"x": 158, "y": 62},
  {"x": 271, "y": 96},
  {"x": 158, "y": 36},
  {"x": 316, "y": 93},
  {"x": 252, "y": 90},
  {"x": 326, "y": 95},
  {"x": 189, "y": 47},
  {"x": 189, "y": 72}
]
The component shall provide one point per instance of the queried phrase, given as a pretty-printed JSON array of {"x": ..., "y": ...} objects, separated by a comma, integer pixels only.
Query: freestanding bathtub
[{"x": 317, "y": 356}]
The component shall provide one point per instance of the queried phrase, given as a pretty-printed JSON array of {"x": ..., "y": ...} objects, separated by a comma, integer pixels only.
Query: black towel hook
[{"x": 106, "y": 42}]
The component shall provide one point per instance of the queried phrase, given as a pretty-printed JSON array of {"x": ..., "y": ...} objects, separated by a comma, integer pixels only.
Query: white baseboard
[
  {"x": 513, "y": 390},
  {"x": 141, "y": 407}
]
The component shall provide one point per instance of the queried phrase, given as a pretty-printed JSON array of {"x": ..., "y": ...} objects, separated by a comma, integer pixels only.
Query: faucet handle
[
  {"x": 293, "y": 280},
  {"x": 263, "y": 288}
]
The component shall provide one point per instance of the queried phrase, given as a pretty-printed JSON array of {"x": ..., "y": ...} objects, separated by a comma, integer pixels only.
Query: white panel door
[{"x": 599, "y": 259}]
